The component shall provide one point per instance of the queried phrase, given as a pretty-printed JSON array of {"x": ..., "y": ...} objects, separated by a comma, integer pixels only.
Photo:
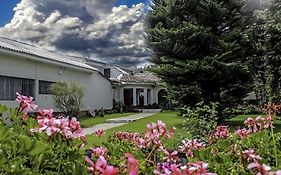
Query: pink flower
[
  {"x": 82, "y": 145},
  {"x": 132, "y": 164},
  {"x": 165, "y": 169},
  {"x": 101, "y": 167},
  {"x": 262, "y": 169},
  {"x": 110, "y": 170},
  {"x": 198, "y": 168},
  {"x": 251, "y": 124},
  {"x": 259, "y": 123},
  {"x": 176, "y": 170},
  {"x": 268, "y": 122},
  {"x": 170, "y": 156},
  {"x": 25, "y": 103},
  {"x": 48, "y": 126},
  {"x": 140, "y": 142},
  {"x": 75, "y": 128},
  {"x": 99, "y": 132},
  {"x": 52, "y": 126},
  {"x": 161, "y": 127},
  {"x": 48, "y": 113},
  {"x": 249, "y": 155},
  {"x": 24, "y": 117},
  {"x": 101, "y": 164},
  {"x": 99, "y": 151},
  {"x": 170, "y": 134},
  {"x": 155, "y": 132},
  {"x": 221, "y": 132},
  {"x": 260, "y": 120},
  {"x": 190, "y": 145},
  {"x": 243, "y": 132},
  {"x": 91, "y": 163}
]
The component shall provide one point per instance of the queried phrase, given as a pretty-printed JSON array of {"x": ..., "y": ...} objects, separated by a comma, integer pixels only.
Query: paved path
[{"x": 112, "y": 123}]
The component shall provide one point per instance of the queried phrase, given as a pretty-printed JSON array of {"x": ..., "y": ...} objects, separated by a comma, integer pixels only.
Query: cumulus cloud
[{"x": 88, "y": 28}]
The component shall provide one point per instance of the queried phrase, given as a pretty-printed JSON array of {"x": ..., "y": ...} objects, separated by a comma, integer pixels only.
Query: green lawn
[
  {"x": 172, "y": 120},
  {"x": 169, "y": 117},
  {"x": 91, "y": 121}
]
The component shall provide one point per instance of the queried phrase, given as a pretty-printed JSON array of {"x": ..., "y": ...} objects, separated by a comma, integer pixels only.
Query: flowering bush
[
  {"x": 41, "y": 144},
  {"x": 47, "y": 145}
]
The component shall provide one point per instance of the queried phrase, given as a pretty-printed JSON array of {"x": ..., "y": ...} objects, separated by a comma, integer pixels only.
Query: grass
[
  {"x": 169, "y": 117},
  {"x": 172, "y": 120},
  {"x": 91, "y": 121}
]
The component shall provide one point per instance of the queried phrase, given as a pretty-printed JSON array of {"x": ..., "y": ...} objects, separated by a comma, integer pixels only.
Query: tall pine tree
[
  {"x": 267, "y": 59},
  {"x": 200, "y": 49}
]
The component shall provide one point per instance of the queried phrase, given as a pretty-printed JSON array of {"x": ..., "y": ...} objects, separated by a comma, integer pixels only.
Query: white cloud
[{"x": 88, "y": 27}]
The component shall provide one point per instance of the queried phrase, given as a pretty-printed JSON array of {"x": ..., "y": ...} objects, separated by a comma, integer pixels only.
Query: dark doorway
[
  {"x": 162, "y": 98},
  {"x": 128, "y": 97}
]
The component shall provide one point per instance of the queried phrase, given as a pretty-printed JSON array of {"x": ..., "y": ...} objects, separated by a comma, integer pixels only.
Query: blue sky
[
  {"x": 104, "y": 29},
  {"x": 6, "y": 8}
]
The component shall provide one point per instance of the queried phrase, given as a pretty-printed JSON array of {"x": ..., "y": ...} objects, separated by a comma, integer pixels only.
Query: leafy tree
[
  {"x": 200, "y": 49},
  {"x": 68, "y": 98},
  {"x": 267, "y": 59}
]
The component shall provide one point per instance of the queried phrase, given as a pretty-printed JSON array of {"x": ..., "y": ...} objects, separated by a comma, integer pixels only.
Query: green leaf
[{"x": 39, "y": 148}]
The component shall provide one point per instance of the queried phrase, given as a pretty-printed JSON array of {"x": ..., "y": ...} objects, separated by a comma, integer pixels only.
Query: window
[
  {"x": 44, "y": 87},
  {"x": 10, "y": 85},
  {"x": 107, "y": 72}
]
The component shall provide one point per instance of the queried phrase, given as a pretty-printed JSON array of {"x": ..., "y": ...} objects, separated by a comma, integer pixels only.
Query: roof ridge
[
  {"x": 19, "y": 41},
  {"x": 33, "y": 50}
]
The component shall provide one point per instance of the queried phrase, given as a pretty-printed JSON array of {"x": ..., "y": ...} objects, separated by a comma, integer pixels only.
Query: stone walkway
[{"x": 112, "y": 123}]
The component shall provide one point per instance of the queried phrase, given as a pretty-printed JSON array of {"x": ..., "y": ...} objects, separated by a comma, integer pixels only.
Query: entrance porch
[{"x": 137, "y": 96}]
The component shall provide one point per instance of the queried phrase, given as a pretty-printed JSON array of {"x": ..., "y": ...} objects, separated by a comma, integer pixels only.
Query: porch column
[
  {"x": 121, "y": 94},
  {"x": 36, "y": 90},
  {"x": 134, "y": 97},
  {"x": 145, "y": 96},
  {"x": 152, "y": 91}
]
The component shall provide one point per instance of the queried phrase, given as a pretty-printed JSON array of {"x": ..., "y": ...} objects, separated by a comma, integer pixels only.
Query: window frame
[
  {"x": 44, "y": 91},
  {"x": 10, "y": 85}
]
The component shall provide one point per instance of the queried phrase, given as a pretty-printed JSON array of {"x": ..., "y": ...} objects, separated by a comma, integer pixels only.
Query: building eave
[
  {"x": 39, "y": 58},
  {"x": 141, "y": 83}
]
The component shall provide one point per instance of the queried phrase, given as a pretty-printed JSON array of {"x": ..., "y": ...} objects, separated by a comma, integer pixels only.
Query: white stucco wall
[{"x": 98, "y": 90}]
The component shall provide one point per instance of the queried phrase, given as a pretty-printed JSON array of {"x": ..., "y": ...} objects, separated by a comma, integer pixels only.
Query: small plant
[
  {"x": 68, "y": 97},
  {"x": 118, "y": 106},
  {"x": 101, "y": 112}
]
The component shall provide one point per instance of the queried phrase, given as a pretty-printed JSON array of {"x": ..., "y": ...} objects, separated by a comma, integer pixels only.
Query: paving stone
[
  {"x": 103, "y": 126},
  {"x": 130, "y": 118}
]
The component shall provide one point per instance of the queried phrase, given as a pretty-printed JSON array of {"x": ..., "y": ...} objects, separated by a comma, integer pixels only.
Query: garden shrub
[
  {"x": 68, "y": 97},
  {"x": 201, "y": 120}
]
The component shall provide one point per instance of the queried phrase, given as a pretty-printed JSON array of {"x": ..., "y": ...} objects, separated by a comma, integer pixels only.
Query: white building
[
  {"x": 31, "y": 70},
  {"x": 133, "y": 89}
]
